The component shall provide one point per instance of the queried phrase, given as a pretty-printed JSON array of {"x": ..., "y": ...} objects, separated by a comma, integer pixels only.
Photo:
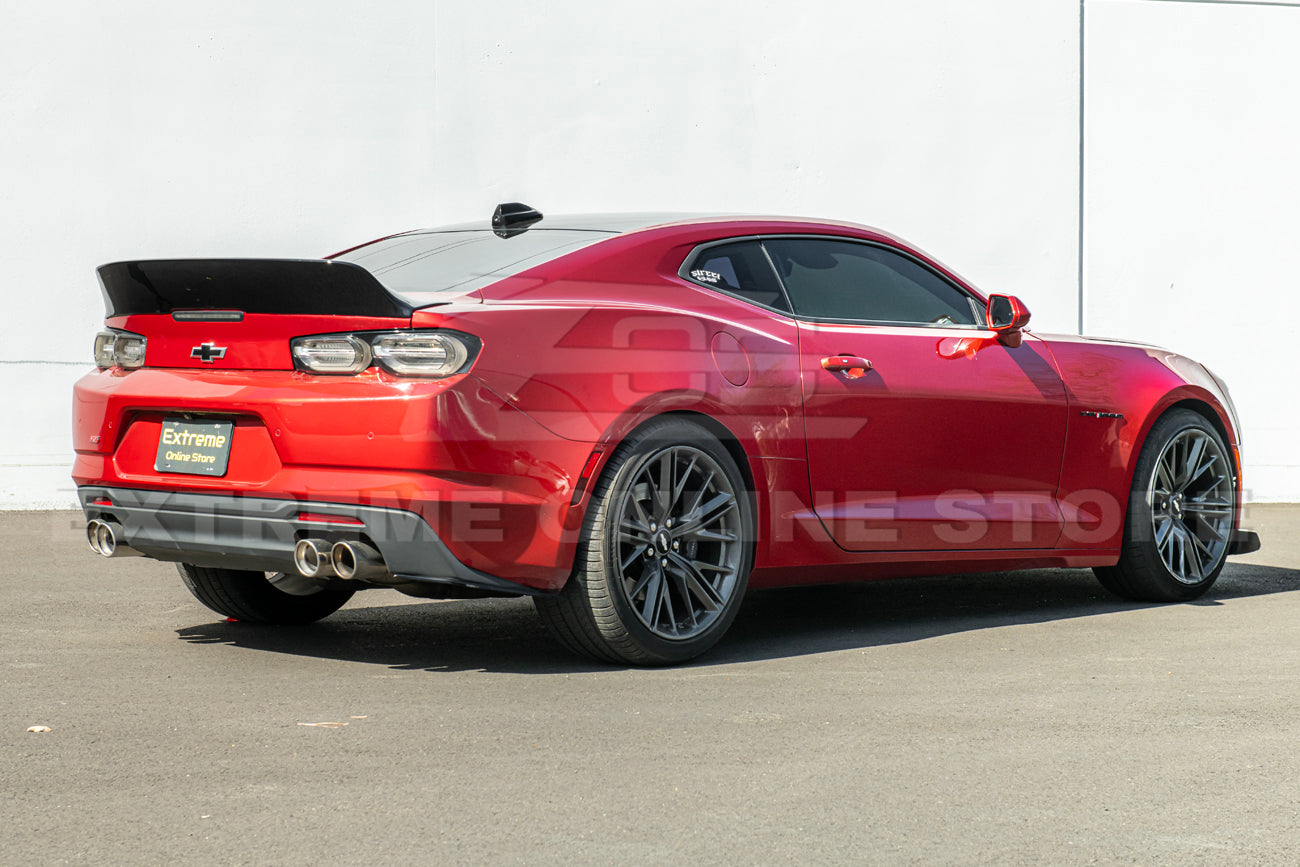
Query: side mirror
[{"x": 1007, "y": 315}]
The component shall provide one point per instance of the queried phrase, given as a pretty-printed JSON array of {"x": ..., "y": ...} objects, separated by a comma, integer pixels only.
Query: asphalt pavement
[{"x": 1011, "y": 718}]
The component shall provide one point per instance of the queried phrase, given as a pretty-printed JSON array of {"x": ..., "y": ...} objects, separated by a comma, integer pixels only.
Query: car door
[{"x": 923, "y": 432}]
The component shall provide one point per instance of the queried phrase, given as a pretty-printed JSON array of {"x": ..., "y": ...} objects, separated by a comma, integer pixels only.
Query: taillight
[
  {"x": 428, "y": 354},
  {"x": 435, "y": 354},
  {"x": 104, "y": 341},
  {"x": 119, "y": 348},
  {"x": 336, "y": 354}
]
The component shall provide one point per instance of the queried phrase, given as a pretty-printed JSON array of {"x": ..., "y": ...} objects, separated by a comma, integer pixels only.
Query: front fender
[{"x": 1115, "y": 394}]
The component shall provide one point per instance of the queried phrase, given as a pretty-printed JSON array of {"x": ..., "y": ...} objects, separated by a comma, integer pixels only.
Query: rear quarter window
[{"x": 740, "y": 268}]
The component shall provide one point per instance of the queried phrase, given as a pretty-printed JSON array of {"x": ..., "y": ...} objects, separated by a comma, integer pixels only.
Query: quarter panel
[{"x": 592, "y": 371}]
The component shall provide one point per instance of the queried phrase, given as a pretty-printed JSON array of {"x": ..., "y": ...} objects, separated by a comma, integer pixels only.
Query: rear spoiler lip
[{"x": 285, "y": 286}]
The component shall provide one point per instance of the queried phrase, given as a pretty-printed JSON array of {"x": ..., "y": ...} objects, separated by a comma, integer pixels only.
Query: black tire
[
  {"x": 254, "y": 597},
  {"x": 658, "y": 579},
  {"x": 1180, "y": 516}
]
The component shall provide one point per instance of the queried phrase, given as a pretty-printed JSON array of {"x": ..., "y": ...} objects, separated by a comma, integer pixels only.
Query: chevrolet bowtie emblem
[{"x": 208, "y": 352}]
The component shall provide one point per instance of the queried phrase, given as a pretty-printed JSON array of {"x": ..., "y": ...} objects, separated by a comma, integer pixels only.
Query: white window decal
[{"x": 706, "y": 276}]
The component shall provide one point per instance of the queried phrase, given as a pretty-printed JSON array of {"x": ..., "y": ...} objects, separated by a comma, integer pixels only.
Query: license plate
[{"x": 198, "y": 448}]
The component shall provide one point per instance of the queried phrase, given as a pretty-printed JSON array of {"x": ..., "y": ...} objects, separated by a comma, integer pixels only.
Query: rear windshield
[{"x": 424, "y": 267}]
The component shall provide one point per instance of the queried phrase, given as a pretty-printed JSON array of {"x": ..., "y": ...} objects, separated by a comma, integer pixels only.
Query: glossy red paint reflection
[{"x": 870, "y": 449}]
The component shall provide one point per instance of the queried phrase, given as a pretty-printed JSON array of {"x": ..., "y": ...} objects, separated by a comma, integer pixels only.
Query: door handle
[{"x": 851, "y": 366}]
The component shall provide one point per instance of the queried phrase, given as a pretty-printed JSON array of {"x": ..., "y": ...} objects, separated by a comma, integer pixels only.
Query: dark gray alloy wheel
[
  {"x": 665, "y": 555},
  {"x": 1180, "y": 514},
  {"x": 260, "y": 597}
]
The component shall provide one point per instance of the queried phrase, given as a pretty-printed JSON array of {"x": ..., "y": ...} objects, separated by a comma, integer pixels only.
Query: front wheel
[
  {"x": 259, "y": 597},
  {"x": 665, "y": 554},
  {"x": 1180, "y": 515}
]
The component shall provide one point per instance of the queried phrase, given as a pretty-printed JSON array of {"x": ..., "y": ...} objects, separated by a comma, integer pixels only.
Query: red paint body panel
[
  {"x": 978, "y": 452},
  {"x": 495, "y": 485},
  {"x": 1139, "y": 382},
  {"x": 930, "y": 453}
]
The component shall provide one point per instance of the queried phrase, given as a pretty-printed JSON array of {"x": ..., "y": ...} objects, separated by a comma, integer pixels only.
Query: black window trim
[{"x": 977, "y": 310}]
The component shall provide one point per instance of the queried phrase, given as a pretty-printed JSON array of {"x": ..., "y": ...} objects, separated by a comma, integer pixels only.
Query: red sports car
[{"x": 631, "y": 419}]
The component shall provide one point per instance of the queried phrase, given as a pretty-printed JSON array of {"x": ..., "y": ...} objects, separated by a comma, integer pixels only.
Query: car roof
[
  {"x": 623, "y": 223},
  {"x": 694, "y": 227}
]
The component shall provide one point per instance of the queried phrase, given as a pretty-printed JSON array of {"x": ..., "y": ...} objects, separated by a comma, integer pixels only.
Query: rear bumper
[
  {"x": 491, "y": 483},
  {"x": 228, "y": 532}
]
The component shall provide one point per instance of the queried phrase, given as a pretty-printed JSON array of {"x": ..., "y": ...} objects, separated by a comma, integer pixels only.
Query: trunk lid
[{"x": 240, "y": 314}]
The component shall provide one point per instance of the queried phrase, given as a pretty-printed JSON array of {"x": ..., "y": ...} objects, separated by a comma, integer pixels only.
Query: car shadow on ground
[{"x": 505, "y": 635}]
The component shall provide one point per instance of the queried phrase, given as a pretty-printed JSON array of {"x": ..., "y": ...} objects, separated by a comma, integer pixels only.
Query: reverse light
[
  {"x": 431, "y": 354},
  {"x": 104, "y": 341},
  {"x": 335, "y": 354},
  {"x": 119, "y": 348}
]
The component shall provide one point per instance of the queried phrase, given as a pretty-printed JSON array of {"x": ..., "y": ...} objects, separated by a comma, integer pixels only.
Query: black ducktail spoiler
[{"x": 290, "y": 286}]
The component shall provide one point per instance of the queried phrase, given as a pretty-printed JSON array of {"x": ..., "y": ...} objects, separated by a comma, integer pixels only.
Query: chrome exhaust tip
[
  {"x": 92, "y": 535},
  {"x": 313, "y": 558},
  {"x": 105, "y": 538},
  {"x": 357, "y": 560}
]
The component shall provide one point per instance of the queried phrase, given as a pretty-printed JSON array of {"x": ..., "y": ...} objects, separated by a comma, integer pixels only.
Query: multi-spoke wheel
[
  {"x": 665, "y": 555},
  {"x": 1180, "y": 514},
  {"x": 260, "y": 597}
]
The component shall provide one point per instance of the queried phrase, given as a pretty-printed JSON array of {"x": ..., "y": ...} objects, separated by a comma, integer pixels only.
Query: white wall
[
  {"x": 274, "y": 129},
  {"x": 1193, "y": 201},
  {"x": 150, "y": 129},
  {"x": 951, "y": 123}
]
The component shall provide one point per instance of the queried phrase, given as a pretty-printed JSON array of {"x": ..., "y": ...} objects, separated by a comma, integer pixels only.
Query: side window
[
  {"x": 739, "y": 269},
  {"x": 830, "y": 279}
]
